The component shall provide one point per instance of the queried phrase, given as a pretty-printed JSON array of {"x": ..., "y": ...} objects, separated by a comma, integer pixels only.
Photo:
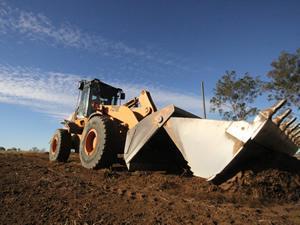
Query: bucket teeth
[
  {"x": 278, "y": 120},
  {"x": 297, "y": 141},
  {"x": 296, "y": 127},
  {"x": 297, "y": 138},
  {"x": 290, "y": 130},
  {"x": 296, "y": 134},
  {"x": 285, "y": 125},
  {"x": 269, "y": 112}
]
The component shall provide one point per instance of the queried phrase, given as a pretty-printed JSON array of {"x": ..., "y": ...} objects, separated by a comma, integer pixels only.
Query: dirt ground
[{"x": 35, "y": 191}]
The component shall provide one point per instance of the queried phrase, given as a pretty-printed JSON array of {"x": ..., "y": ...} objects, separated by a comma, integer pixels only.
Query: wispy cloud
[
  {"x": 37, "y": 26},
  {"x": 48, "y": 92},
  {"x": 40, "y": 27},
  {"x": 55, "y": 93}
]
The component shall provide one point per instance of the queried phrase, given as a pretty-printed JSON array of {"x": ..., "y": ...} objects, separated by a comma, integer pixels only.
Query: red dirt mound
[
  {"x": 35, "y": 191},
  {"x": 274, "y": 177}
]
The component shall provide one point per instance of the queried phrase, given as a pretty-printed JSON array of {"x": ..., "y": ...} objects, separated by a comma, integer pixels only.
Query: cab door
[{"x": 83, "y": 106}]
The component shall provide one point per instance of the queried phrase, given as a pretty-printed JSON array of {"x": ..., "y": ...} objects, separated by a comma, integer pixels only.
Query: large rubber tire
[
  {"x": 97, "y": 146},
  {"x": 60, "y": 146}
]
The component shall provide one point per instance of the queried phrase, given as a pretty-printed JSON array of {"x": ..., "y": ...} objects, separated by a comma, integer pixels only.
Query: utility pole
[{"x": 203, "y": 99}]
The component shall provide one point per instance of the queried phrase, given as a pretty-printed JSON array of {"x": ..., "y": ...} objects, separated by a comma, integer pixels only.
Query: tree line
[
  {"x": 13, "y": 149},
  {"x": 234, "y": 95}
]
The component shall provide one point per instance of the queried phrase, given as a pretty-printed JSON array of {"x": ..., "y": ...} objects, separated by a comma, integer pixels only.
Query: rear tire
[
  {"x": 97, "y": 148},
  {"x": 60, "y": 146}
]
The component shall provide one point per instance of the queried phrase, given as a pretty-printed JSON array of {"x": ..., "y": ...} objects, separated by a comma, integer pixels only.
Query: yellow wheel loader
[{"x": 105, "y": 132}]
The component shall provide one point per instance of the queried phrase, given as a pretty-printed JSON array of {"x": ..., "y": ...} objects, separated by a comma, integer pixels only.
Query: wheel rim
[
  {"x": 90, "y": 142},
  {"x": 54, "y": 144}
]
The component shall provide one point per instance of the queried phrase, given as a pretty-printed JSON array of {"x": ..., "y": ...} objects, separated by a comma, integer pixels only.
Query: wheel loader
[{"x": 105, "y": 132}]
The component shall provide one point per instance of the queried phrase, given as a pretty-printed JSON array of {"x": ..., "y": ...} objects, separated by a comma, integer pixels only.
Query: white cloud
[
  {"x": 40, "y": 27},
  {"x": 37, "y": 26},
  {"x": 163, "y": 97},
  {"x": 48, "y": 92},
  {"x": 56, "y": 93}
]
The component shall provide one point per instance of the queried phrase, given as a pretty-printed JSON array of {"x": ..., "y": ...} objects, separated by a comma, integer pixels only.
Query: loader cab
[{"x": 95, "y": 93}]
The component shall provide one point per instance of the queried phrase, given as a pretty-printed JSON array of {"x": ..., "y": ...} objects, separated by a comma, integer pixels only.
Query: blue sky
[{"x": 167, "y": 47}]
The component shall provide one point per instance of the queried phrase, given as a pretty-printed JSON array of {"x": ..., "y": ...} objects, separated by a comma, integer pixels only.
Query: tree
[
  {"x": 13, "y": 149},
  {"x": 34, "y": 149},
  {"x": 285, "y": 78},
  {"x": 233, "y": 96}
]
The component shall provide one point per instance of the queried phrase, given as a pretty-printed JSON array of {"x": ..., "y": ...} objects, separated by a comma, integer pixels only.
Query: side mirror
[
  {"x": 122, "y": 95},
  {"x": 81, "y": 85}
]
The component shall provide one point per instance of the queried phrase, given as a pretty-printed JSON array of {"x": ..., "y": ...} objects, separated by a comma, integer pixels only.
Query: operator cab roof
[{"x": 97, "y": 83}]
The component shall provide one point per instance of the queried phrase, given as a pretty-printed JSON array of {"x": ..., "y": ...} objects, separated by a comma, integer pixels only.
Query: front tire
[
  {"x": 97, "y": 148},
  {"x": 60, "y": 146}
]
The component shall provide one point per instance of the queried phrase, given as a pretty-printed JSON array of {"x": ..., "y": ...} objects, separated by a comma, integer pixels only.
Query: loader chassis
[
  {"x": 146, "y": 138},
  {"x": 99, "y": 125}
]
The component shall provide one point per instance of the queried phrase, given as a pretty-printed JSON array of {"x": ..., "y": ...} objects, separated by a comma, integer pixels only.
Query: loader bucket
[
  {"x": 150, "y": 130},
  {"x": 211, "y": 148}
]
